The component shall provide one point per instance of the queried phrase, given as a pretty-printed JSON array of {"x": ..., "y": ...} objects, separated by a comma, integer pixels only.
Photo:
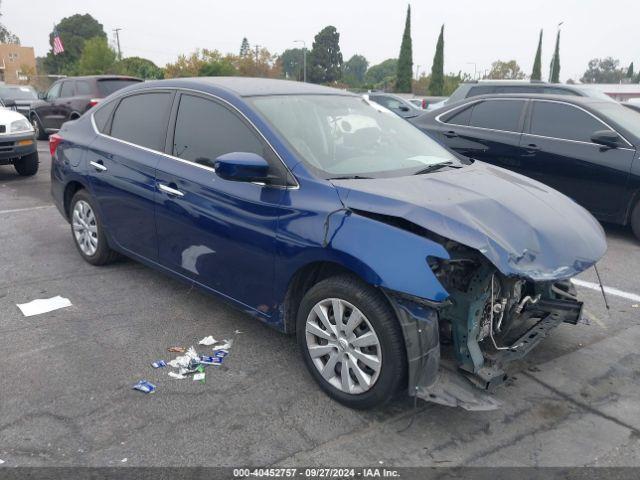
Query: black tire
[
  {"x": 37, "y": 126},
  {"x": 27, "y": 165},
  {"x": 635, "y": 220},
  {"x": 103, "y": 254},
  {"x": 384, "y": 323}
]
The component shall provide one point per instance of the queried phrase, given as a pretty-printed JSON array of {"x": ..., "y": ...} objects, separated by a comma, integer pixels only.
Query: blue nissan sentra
[{"x": 395, "y": 263}]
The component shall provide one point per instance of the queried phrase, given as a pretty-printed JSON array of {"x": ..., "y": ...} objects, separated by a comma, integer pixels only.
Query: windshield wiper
[
  {"x": 433, "y": 168},
  {"x": 351, "y": 177}
]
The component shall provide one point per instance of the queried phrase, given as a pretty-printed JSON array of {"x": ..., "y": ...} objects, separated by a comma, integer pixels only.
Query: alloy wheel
[
  {"x": 85, "y": 228},
  {"x": 343, "y": 346}
]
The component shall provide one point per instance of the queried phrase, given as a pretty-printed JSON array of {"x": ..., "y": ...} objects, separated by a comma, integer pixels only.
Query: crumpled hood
[{"x": 522, "y": 226}]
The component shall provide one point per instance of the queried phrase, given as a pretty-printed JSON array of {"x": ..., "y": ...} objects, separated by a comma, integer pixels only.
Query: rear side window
[
  {"x": 560, "y": 120},
  {"x": 83, "y": 87},
  {"x": 475, "y": 91},
  {"x": 142, "y": 119},
  {"x": 67, "y": 90},
  {"x": 107, "y": 87},
  {"x": 497, "y": 115},
  {"x": 101, "y": 116},
  {"x": 559, "y": 91},
  {"x": 205, "y": 130},
  {"x": 516, "y": 89}
]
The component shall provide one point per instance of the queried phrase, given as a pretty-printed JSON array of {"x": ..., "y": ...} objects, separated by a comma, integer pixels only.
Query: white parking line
[
  {"x": 28, "y": 209},
  {"x": 608, "y": 290}
]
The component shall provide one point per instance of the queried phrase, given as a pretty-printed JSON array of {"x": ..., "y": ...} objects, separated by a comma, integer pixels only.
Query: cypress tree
[
  {"x": 554, "y": 76},
  {"x": 405, "y": 60},
  {"x": 536, "y": 74},
  {"x": 630, "y": 72},
  {"x": 436, "y": 85}
]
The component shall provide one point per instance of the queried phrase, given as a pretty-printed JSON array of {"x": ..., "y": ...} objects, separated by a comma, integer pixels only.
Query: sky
[{"x": 477, "y": 32}]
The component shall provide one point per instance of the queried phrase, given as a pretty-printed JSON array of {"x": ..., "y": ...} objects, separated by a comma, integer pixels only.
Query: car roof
[
  {"x": 103, "y": 77},
  {"x": 249, "y": 86},
  {"x": 584, "y": 101}
]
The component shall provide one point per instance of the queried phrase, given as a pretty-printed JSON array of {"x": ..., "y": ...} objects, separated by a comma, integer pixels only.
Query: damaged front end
[{"x": 460, "y": 350}]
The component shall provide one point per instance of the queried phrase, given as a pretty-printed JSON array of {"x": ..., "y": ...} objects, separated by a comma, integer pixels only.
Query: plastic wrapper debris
[
  {"x": 159, "y": 364},
  {"x": 210, "y": 360},
  {"x": 187, "y": 363},
  {"x": 221, "y": 353},
  {"x": 176, "y": 349},
  {"x": 176, "y": 376},
  {"x": 199, "y": 377},
  {"x": 222, "y": 345},
  {"x": 207, "y": 341},
  {"x": 43, "y": 305},
  {"x": 145, "y": 386}
]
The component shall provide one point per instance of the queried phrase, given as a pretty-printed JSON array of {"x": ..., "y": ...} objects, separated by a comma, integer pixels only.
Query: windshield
[
  {"x": 18, "y": 93},
  {"x": 625, "y": 117},
  {"x": 345, "y": 136}
]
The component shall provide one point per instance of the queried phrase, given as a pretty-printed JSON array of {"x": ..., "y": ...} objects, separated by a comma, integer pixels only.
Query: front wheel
[
  {"x": 88, "y": 232},
  {"x": 37, "y": 126},
  {"x": 27, "y": 165},
  {"x": 351, "y": 342}
]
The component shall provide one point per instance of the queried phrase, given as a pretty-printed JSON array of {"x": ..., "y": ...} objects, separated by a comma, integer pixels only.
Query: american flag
[{"x": 57, "y": 43}]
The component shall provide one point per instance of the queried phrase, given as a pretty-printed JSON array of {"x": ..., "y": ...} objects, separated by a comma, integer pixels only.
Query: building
[
  {"x": 17, "y": 63},
  {"x": 618, "y": 91}
]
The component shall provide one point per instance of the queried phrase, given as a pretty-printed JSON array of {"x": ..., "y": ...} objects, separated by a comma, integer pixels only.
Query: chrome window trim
[
  {"x": 460, "y": 107},
  {"x": 187, "y": 162}
]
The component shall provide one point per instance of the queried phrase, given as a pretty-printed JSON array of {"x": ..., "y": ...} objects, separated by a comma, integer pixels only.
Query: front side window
[
  {"x": 205, "y": 130},
  {"x": 560, "y": 120},
  {"x": 67, "y": 90},
  {"x": 461, "y": 117},
  {"x": 343, "y": 136},
  {"x": 54, "y": 91},
  {"x": 142, "y": 119},
  {"x": 497, "y": 115}
]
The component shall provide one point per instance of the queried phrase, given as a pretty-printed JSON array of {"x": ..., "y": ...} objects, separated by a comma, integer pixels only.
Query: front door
[
  {"x": 559, "y": 152},
  {"x": 217, "y": 232},
  {"x": 121, "y": 165},
  {"x": 46, "y": 111}
]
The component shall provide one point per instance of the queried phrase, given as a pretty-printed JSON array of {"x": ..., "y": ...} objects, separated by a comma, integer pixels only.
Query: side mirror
[
  {"x": 242, "y": 167},
  {"x": 608, "y": 138},
  {"x": 404, "y": 108},
  {"x": 42, "y": 95}
]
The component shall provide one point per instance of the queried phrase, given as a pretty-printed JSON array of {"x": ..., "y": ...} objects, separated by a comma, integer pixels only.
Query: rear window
[
  {"x": 142, "y": 119},
  {"x": 107, "y": 87}
]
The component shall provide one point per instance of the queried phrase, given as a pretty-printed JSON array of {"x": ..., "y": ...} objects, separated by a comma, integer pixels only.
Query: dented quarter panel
[{"x": 523, "y": 227}]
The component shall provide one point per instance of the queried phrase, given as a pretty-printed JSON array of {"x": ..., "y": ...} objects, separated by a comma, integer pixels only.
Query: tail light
[
  {"x": 424, "y": 103},
  {"x": 54, "y": 141},
  {"x": 93, "y": 102}
]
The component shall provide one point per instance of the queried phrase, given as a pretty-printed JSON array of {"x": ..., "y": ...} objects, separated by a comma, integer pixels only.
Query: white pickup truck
[{"x": 18, "y": 146}]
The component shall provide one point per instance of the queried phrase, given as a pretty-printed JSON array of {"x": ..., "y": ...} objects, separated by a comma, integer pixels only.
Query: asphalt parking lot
[{"x": 66, "y": 376}]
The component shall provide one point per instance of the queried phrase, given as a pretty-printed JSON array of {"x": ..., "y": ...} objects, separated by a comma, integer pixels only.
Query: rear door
[
  {"x": 122, "y": 163},
  {"x": 219, "y": 233},
  {"x": 557, "y": 150},
  {"x": 487, "y": 130}
]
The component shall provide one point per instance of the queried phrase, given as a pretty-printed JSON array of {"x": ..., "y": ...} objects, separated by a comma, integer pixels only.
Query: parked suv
[
  {"x": 18, "y": 97},
  {"x": 489, "y": 87},
  {"x": 69, "y": 98},
  {"x": 398, "y": 105}
]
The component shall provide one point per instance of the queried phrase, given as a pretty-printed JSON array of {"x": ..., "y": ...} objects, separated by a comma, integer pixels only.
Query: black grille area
[{"x": 3, "y": 129}]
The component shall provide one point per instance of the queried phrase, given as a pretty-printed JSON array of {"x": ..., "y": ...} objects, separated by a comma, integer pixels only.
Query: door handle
[
  {"x": 450, "y": 134},
  {"x": 170, "y": 191},
  {"x": 99, "y": 166},
  {"x": 531, "y": 149}
]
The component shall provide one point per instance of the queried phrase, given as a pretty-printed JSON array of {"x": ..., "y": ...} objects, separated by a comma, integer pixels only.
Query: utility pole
[
  {"x": 117, "y": 32},
  {"x": 304, "y": 58},
  {"x": 257, "y": 47},
  {"x": 417, "y": 72}
]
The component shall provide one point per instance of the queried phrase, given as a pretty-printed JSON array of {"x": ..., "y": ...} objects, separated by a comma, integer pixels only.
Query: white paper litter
[
  {"x": 207, "y": 341},
  {"x": 43, "y": 305},
  {"x": 1, "y": 461},
  {"x": 198, "y": 376},
  {"x": 124, "y": 460},
  {"x": 222, "y": 345},
  {"x": 176, "y": 375}
]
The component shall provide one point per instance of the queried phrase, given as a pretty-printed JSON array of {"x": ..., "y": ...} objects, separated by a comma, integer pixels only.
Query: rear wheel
[
  {"x": 635, "y": 220},
  {"x": 27, "y": 165},
  {"x": 351, "y": 342},
  {"x": 87, "y": 230}
]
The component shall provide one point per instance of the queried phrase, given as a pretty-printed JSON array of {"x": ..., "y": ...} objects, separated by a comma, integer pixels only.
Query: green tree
[
  {"x": 5, "y": 35},
  {"x": 74, "y": 31},
  {"x": 218, "y": 68},
  {"x": 630, "y": 72},
  {"x": 536, "y": 74},
  {"x": 97, "y": 57},
  {"x": 325, "y": 59},
  {"x": 292, "y": 63},
  {"x": 505, "y": 71},
  {"x": 436, "y": 85},
  {"x": 382, "y": 74},
  {"x": 138, "y": 67},
  {"x": 603, "y": 70},
  {"x": 554, "y": 75},
  {"x": 354, "y": 71},
  {"x": 405, "y": 60},
  {"x": 245, "y": 48}
]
